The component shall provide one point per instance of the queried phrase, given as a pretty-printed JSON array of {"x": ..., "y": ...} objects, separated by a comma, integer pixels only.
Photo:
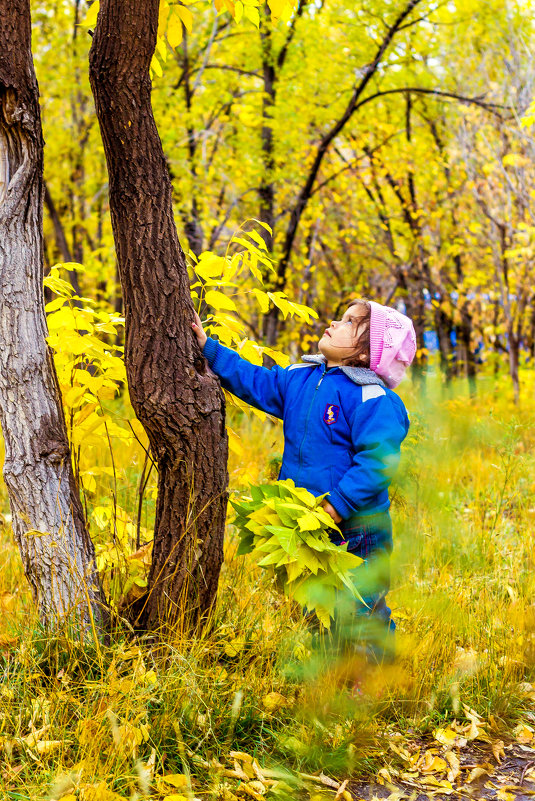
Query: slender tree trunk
[
  {"x": 266, "y": 190},
  {"x": 443, "y": 326},
  {"x": 415, "y": 307},
  {"x": 61, "y": 239},
  {"x": 192, "y": 219},
  {"x": 465, "y": 337},
  {"x": 177, "y": 399},
  {"x": 48, "y": 520},
  {"x": 514, "y": 346}
]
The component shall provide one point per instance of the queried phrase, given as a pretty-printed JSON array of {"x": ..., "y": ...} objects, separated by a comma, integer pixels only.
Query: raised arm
[{"x": 262, "y": 388}]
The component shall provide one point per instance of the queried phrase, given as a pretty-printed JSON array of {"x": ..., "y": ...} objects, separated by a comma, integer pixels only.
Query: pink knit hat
[{"x": 392, "y": 343}]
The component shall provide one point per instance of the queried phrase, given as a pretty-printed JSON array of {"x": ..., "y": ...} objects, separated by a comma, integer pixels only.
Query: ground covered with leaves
[{"x": 258, "y": 706}]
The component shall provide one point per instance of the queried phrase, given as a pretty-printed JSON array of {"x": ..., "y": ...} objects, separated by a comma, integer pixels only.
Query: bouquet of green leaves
[{"x": 285, "y": 528}]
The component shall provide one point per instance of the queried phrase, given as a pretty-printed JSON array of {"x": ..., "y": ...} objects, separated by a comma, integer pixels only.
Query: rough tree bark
[
  {"x": 177, "y": 399},
  {"x": 48, "y": 520}
]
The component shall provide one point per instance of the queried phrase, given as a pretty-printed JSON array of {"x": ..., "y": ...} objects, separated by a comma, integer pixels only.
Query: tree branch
[
  {"x": 304, "y": 194},
  {"x": 281, "y": 58},
  {"x": 474, "y": 101}
]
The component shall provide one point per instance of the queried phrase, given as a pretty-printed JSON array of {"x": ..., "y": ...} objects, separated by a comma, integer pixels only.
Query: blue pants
[{"x": 369, "y": 537}]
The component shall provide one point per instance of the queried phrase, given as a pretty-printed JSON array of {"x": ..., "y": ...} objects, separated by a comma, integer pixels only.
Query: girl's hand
[
  {"x": 331, "y": 511},
  {"x": 198, "y": 331}
]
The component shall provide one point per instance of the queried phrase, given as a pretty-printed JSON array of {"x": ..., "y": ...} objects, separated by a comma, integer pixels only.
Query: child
[{"x": 343, "y": 427}]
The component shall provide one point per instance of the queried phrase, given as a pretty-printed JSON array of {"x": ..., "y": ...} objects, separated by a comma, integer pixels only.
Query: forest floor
[
  {"x": 481, "y": 776},
  {"x": 251, "y": 709}
]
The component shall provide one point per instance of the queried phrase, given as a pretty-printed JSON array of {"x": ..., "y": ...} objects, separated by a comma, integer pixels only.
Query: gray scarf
[{"x": 359, "y": 375}]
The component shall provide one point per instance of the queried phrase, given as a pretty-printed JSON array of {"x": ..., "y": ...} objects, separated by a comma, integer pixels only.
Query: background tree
[{"x": 48, "y": 521}]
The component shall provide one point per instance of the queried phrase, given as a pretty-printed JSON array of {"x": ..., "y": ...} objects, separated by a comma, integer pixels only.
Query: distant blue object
[{"x": 431, "y": 341}]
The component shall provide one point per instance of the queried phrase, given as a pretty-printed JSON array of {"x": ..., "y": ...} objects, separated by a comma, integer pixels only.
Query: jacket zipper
[{"x": 306, "y": 424}]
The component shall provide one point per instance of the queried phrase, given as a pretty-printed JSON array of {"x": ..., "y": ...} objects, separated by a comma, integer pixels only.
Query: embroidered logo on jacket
[{"x": 331, "y": 413}]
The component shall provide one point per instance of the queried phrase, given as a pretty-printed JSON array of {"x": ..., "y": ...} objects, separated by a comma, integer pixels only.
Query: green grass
[{"x": 257, "y": 682}]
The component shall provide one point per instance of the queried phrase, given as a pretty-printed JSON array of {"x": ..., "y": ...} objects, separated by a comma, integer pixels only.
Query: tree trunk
[
  {"x": 177, "y": 399},
  {"x": 465, "y": 336},
  {"x": 48, "y": 520},
  {"x": 514, "y": 347},
  {"x": 443, "y": 327}
]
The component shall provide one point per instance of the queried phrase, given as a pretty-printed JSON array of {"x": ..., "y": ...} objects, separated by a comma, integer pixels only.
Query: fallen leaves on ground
[
  {"x": 253, "y": 781},
  {"x": 464, "y": 761}
]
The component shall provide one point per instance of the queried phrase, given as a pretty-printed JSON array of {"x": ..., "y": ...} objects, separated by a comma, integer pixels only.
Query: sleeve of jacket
[
  {"x": 378, "y": 428},
  {"x": 262, "y": 388}
]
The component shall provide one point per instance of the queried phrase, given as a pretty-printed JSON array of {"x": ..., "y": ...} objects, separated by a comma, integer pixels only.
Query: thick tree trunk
[
  {"x": 48, "y": 520},
  {"x": 177, "y": 399}
]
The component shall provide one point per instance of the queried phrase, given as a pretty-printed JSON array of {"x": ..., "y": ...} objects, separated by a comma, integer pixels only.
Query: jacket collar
[{"x": 359, "y": 375}]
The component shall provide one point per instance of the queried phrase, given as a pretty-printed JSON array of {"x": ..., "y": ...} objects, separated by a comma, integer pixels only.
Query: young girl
[{"x": 343, "y": 427}]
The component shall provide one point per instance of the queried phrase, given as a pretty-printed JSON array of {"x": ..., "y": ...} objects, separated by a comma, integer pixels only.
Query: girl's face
[{"x": 338, "y": 341}]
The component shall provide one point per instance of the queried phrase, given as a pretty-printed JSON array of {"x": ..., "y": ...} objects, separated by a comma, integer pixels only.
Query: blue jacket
[{"x": 342, "y": 427}]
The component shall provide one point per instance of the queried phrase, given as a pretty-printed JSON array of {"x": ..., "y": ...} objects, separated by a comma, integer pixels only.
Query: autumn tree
[
  {"x": 173, "y": 393},
  {"x": 48, "y": 520}
]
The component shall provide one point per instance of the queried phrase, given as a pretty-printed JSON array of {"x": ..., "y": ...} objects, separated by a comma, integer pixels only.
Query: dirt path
[{"x": 480, "y": 776}]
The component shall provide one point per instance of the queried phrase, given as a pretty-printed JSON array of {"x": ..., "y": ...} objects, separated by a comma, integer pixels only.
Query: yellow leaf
[
  {"x": 161, "y": 47},
  {"x": 248, "y": 350},
  {"x": 277, "y": 7},
  {"x": 7, "y": 601},
  {"x": 89, "y": 483},
  {"x": 174, "y": 30},
  {"x": 273, "y": 701},
  {"x": 262, "y": 300},
  {"x": 252, "y": 15},
  {"x": 219, "y": 301},
  {"x": 241, "y": 756},
  {"x": 210, "y": 265},
  {"x": 100, "y": 792},
  {"x": 46, "y": 747},
  {"x": 186, "y": 16},
  {"x": 431, "y": 763},
  {"x": 162, "y": 18},
  {"x": 476, "y": 773},
  {"x": 445, "y": 736},
  {"x": 175, "y": 797},
  {"x": 498, "y": 750},
  {"x": 176, "y": 779},
  {"x": 523, "y": 734},
  {"x": 234, "y": 442},
  {"x": 454, "y": 765},
  {"x": 255, "y": 789},
  {"x": 156, "y": 66},
  {"x": 504, "y": 795},
  {"x": 234, "y": 646},
  {"x": 91, "y": 17},
  {"x": 74, "y": 397}
]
